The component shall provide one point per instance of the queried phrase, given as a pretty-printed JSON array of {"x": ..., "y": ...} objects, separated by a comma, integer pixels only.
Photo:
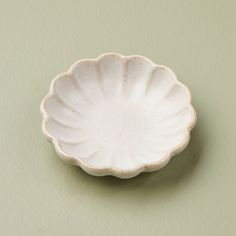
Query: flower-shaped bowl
[{"x": 117, "y": 115}]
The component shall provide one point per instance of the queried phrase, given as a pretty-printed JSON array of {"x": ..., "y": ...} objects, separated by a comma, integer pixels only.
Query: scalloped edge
[{"x": 120, "y": 173}]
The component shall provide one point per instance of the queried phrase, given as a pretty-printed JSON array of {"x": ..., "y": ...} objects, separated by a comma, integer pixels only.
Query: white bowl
[{"x": 117, "y": 115}]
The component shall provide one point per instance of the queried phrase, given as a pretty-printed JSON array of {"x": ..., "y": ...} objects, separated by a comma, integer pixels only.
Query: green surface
[{"x": 194, "y": 195}]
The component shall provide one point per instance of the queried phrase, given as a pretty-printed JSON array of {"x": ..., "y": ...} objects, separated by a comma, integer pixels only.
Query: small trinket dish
[{"x": 117, "y": 115}]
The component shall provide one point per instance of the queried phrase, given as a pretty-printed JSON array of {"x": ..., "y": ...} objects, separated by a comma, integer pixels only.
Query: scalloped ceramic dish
[{"x": 117, "y": 115}]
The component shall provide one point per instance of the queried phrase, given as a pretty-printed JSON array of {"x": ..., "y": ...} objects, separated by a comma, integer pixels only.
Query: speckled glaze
[{"x": 118, "y": 115}]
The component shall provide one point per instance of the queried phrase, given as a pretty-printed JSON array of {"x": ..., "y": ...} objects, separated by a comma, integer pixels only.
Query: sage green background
[{"x": 194, "y": 195}]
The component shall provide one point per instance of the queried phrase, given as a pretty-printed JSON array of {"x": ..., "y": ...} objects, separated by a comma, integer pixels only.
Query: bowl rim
[{"x": 118, "y": 172}]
